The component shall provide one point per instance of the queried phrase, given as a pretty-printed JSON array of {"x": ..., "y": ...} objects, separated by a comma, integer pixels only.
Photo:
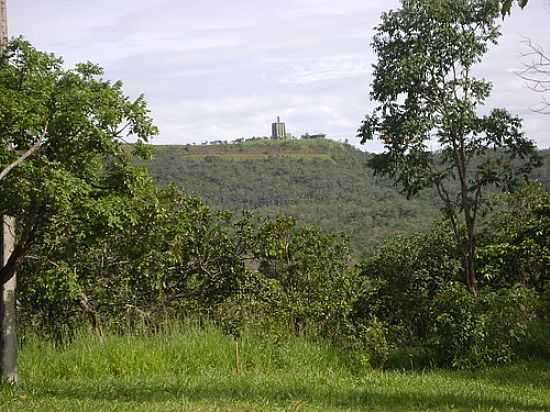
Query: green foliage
[
  {"x": 315, "y": 181},
  {"x": 104, "y": 246},
  {"x": 404, "y": 276},
  {"x": 162, "y": 252},
  {"x": 375, "y": 342},
  {"x": 136, "y": 253},
  {"x": 311, "y": 271},
  {"x": 415, "y": 289},
  {"x": 412, "y": 358},
  {"x": 545, "y": 302},
  {"x": 459, "y": 330},
  {"x": 79, "y": 121},
  {"x": 427, "y": 95},
  {"x": 536, "y": 344},
  {"x": 167, "y": 254},
  {"x": 517, "y": 240},
  {"x": 472, "y": 332}
]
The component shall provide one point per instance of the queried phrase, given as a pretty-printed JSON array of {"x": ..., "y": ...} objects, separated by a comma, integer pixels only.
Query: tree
[
  {"x": 426, "y": 95},
  {"x": 78, "y": 123}
]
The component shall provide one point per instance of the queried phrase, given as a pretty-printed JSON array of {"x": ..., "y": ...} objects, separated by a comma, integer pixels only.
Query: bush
[
  {"x": 515, "y": 244},
  {"x": 544, "y": 303},
  {"x": 471, "y": 331},
  {"x": 377, "y": 345},
  {"x": 537, "y": 341},
  {"x": 403, "y": 277},
  {"x": 411, "y": 358},
  {"x": 306, "y": 276}
]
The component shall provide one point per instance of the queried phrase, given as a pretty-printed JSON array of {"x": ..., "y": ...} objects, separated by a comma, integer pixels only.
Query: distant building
[{"x": 278, "y": 129}]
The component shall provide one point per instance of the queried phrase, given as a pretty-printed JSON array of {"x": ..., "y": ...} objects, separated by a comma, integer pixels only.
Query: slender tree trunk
[
  {"x": 469, "y": 254},
  {"x": 471, "y": 276},
  {"x": 468, "y": 242},
  {"x": 8, "y": 336}
]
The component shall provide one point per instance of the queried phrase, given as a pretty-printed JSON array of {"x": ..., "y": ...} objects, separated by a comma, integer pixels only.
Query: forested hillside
[{"x": 320, "y": 182}]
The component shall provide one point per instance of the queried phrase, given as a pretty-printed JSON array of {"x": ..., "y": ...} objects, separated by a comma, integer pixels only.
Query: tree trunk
[
  {"x": 8, "y": 335},
  {"x": 469, "y": 257},
  {"x": 469, "y": 267}
]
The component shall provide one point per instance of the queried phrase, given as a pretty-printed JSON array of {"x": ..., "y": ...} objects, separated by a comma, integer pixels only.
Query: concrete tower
[{"x": 278, "y": 129}]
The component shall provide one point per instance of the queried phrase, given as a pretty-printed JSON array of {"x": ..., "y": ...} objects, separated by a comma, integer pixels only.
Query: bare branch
[{"x": 537, "y": 73}]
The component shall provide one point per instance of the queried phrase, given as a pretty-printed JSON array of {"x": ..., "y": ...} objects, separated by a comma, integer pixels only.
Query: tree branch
[
  {"x": 25, "y": 155},
  {"x": 537, "y": 73}
]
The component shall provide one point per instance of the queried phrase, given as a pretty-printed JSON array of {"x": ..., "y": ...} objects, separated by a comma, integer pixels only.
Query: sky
[{"x": 223, "y": 69}]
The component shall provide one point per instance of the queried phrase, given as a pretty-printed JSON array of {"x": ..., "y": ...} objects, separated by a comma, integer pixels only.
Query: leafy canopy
[
  {"x": 80, "y": 122},
  {"x": 428, "y": 98}
]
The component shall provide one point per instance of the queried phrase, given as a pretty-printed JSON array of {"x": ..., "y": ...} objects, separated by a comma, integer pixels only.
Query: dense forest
[{"x": 319, "y": 182}]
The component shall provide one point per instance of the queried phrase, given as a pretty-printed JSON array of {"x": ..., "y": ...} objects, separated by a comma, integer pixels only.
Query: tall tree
[
  {"x": 427, "y": 97},
  {"x": 78, "y": 122}
]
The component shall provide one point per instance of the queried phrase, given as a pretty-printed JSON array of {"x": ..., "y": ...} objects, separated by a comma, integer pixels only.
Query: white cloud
[
  {"x": 327, "y": 68},
  {"x": 224, "y": 69}
]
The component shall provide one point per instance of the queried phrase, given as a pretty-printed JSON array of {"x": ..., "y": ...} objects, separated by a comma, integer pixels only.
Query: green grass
[{"x": 204, "y": 370}]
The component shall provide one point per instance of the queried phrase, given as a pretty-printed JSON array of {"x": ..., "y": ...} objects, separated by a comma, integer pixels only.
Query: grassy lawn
[{"x": 207, "y": 371}]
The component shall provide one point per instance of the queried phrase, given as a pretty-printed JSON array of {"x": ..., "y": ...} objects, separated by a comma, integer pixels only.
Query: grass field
[{"x": 203, "y": 370}]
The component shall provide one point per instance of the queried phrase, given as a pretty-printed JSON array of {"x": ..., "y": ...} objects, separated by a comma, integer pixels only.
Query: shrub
[
  {"x": 403, "y": 277},
  {"x": 376, "y": 343},
  {"x": 411, "y": 358},
  {"x": 516, "y": 240},
  {"x": 471, "y": 331},
  {"x": 311, "y": 282}
]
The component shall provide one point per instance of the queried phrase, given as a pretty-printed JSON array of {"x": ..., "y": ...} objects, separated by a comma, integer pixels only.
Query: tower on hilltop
[{"x": 278, "y": 129}]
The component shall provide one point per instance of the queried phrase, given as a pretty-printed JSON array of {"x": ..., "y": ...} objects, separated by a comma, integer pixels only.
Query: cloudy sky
[{"x": 221, "y": 69}]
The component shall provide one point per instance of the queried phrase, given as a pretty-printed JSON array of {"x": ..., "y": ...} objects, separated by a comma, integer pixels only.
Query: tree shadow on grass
[
  {"x": 525, "y": 374},
  {"x": 534, "y": 374},
  {"x": 277, "y": 394}
]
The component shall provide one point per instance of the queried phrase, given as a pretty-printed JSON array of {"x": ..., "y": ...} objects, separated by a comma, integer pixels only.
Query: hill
[{"x": 318, "y": 181}]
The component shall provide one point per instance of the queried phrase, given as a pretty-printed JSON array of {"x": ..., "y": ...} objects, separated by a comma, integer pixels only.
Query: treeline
[{"x": 161, "y": 253}]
